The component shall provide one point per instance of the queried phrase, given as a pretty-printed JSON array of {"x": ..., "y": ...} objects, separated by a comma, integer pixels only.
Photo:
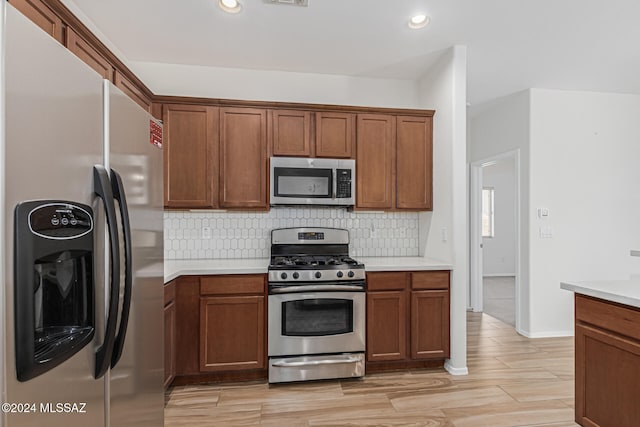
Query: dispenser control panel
[{"x": 60, "y": 221}]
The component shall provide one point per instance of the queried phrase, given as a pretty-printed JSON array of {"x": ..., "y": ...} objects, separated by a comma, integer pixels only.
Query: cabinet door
[
  {"x": 232, "y": 333},
  {"x": 41, "y": 15},
  {"x": 190, "y": 156},
  {"x": 187, "y": 325},
  {"x": 169, "y": 343},
  {"x": 386, "y": 326},
  {"x": 607, "y": 372},
  {"x": 89, "y": 55},
  {"x": 414, "y": 162},
  {"x": 334, "y": 135},
  {"x": 375, "y": 161},
  {"x": 429, "y": 324},
  {"x": 243, "y": 158},
  {"x": 132, "y": 91},
  {"x": 291, "y": 133}
]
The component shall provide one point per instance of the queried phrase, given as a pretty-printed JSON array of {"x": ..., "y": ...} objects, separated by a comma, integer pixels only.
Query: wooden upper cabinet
[
  {"x": 335, "y": 134},
  {"x": 42, "y": 16},
  {"x": 291, "y": 133},
  {"x": 414, "y": 162},
  {"x": 375, "y": 160},
  {"x": 243, "y": 158},
  {"x": 89, "y": 55},
  {"x": 132, "y": 91},
  {"x": 190, "y": 156}
]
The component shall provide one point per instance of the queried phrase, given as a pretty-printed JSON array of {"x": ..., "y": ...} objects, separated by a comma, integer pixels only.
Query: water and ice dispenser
[{"x": 54, "y": 283}]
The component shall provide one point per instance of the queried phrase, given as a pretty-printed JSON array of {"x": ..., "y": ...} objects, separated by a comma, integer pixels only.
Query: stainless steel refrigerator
[{"x": 81, "y": 238}]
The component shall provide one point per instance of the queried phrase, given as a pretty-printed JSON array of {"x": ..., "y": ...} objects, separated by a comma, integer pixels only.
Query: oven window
[
  {"x": 302, "y": 182},
  {"x": 317, "y": 317}
]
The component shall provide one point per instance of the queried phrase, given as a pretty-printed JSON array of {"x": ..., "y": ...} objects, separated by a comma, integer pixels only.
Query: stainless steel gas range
[{"x": 317, "y": 306}]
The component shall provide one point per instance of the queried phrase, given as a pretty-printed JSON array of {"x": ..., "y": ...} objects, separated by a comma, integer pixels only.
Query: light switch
[{"x": 546, "y": 232}]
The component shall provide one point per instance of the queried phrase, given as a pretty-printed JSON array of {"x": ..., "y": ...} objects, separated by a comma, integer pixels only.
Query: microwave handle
[{"x": 334, "y": 173}]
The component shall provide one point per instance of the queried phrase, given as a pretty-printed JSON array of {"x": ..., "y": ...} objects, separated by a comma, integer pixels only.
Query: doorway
[{"x": 495, "y": 237}]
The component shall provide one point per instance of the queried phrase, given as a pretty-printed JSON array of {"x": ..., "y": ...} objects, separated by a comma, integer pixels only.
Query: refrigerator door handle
[
  {"x": 102, "y": 188},
  {"x": 119, "y": 195}
]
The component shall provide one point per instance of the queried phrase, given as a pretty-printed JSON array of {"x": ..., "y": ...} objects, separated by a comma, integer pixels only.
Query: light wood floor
[{"x": 513, "y": 381}]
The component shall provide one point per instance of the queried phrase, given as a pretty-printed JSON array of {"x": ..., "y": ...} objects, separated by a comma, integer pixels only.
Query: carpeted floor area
[{"x": 499, "y": 298}]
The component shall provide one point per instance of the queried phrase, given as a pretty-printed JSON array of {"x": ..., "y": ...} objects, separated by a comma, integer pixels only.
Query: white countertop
[
  {"x": 402, "y": 263},
  {"x": 175, "y": 268},
  {"x": 621, "y": 291},
  {"x": 187, "y": 267}
]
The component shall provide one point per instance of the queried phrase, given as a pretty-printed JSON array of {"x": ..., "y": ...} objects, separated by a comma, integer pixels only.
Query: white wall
[
  {"x": 443, "y": 88},
  {"x": 498, "y": 253},
  {"x": 579, "y": 156},
  {"x": 584, "y": 168},
  {"x": 499, "y": 128},
  {"x": 262, "y": 85}
]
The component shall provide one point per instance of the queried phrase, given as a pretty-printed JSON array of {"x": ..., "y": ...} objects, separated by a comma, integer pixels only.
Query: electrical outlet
[{"x": 206, "y": 232}]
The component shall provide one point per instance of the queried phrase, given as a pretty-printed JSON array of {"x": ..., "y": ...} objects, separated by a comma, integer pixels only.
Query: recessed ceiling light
[
  {"x": 419, "y": 21},
  {"x": 230, "y": 6}
]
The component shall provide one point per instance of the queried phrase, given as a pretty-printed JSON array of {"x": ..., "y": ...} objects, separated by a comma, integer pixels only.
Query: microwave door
[
  {"x": 308, "y": 186},
  {"x": 302, "y": 185}
]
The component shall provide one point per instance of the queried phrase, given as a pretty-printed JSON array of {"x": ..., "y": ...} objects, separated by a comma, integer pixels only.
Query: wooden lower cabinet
[
  {"x": 607, "y": 357},
  {"x": 169, "y": 333},
  {"x": 407, "y": 319},
  {"x": 232, "y": 333},
  {"x": 386, "y": 326},
  {"x": 223, "y": 319},
  {"x": 429, "y": 324}
]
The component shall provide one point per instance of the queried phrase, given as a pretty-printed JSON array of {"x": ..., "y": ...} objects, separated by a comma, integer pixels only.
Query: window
[{"x": 487, "y": 212}]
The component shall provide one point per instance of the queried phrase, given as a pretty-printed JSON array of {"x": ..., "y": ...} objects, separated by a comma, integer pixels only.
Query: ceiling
[{"x": 591, "y": 45}]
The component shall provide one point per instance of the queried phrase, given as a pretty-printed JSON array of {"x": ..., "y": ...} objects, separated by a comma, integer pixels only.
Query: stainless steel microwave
[{"x": 304, "y": 181}]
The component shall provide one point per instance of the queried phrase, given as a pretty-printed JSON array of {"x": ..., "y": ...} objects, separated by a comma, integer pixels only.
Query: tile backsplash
[{"x": 247, "y": 234}]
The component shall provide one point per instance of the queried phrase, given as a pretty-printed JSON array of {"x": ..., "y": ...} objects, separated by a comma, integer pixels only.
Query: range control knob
[
  {"x": 296, "y": 275},
  {"x": 339, "y": 274},
  {"x": 283, "y": 276},
  {"x": 318, "y": 275},
  {"x": 351, "y": 274}
]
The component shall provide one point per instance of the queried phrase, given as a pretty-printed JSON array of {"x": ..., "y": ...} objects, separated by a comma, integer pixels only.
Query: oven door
[{"x": 316, "y": 323}]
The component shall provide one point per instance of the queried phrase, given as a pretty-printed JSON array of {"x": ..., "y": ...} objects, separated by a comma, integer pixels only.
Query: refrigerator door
[
  {"x": 53, "y": 138},
  {"x": 136, "y": 388}
]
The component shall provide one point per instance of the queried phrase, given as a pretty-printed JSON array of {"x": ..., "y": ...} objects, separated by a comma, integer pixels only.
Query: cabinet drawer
[
  {"x": 232, "y": 284},
  {"x": 387, "y": 281},
  {"x": 430, "y": 280},
  {"x": 609, "y": 316},
  {"x": 169, "y": 292}
]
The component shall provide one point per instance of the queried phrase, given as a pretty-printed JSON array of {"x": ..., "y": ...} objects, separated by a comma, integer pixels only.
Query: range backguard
[{"x": 54, "y": 283}]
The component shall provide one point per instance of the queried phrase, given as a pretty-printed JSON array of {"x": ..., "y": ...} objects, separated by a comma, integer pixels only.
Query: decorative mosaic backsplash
[{"x": 216, "y": 235}]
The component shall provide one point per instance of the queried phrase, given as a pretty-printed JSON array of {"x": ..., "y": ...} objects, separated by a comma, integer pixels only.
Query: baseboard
[
  {"x": 547, "y": 334},
  {"x": 500, "y": 275},
  {"x": 455, "y": 371}
]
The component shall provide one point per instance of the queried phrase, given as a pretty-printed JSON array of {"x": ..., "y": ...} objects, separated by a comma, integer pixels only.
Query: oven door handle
[
  {"x": 313, "y": 288},
  {"x": 284, "y": 364}
]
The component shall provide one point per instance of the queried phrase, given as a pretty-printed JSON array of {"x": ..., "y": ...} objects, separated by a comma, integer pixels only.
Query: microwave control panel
[{"x": 343, "y": 182}]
